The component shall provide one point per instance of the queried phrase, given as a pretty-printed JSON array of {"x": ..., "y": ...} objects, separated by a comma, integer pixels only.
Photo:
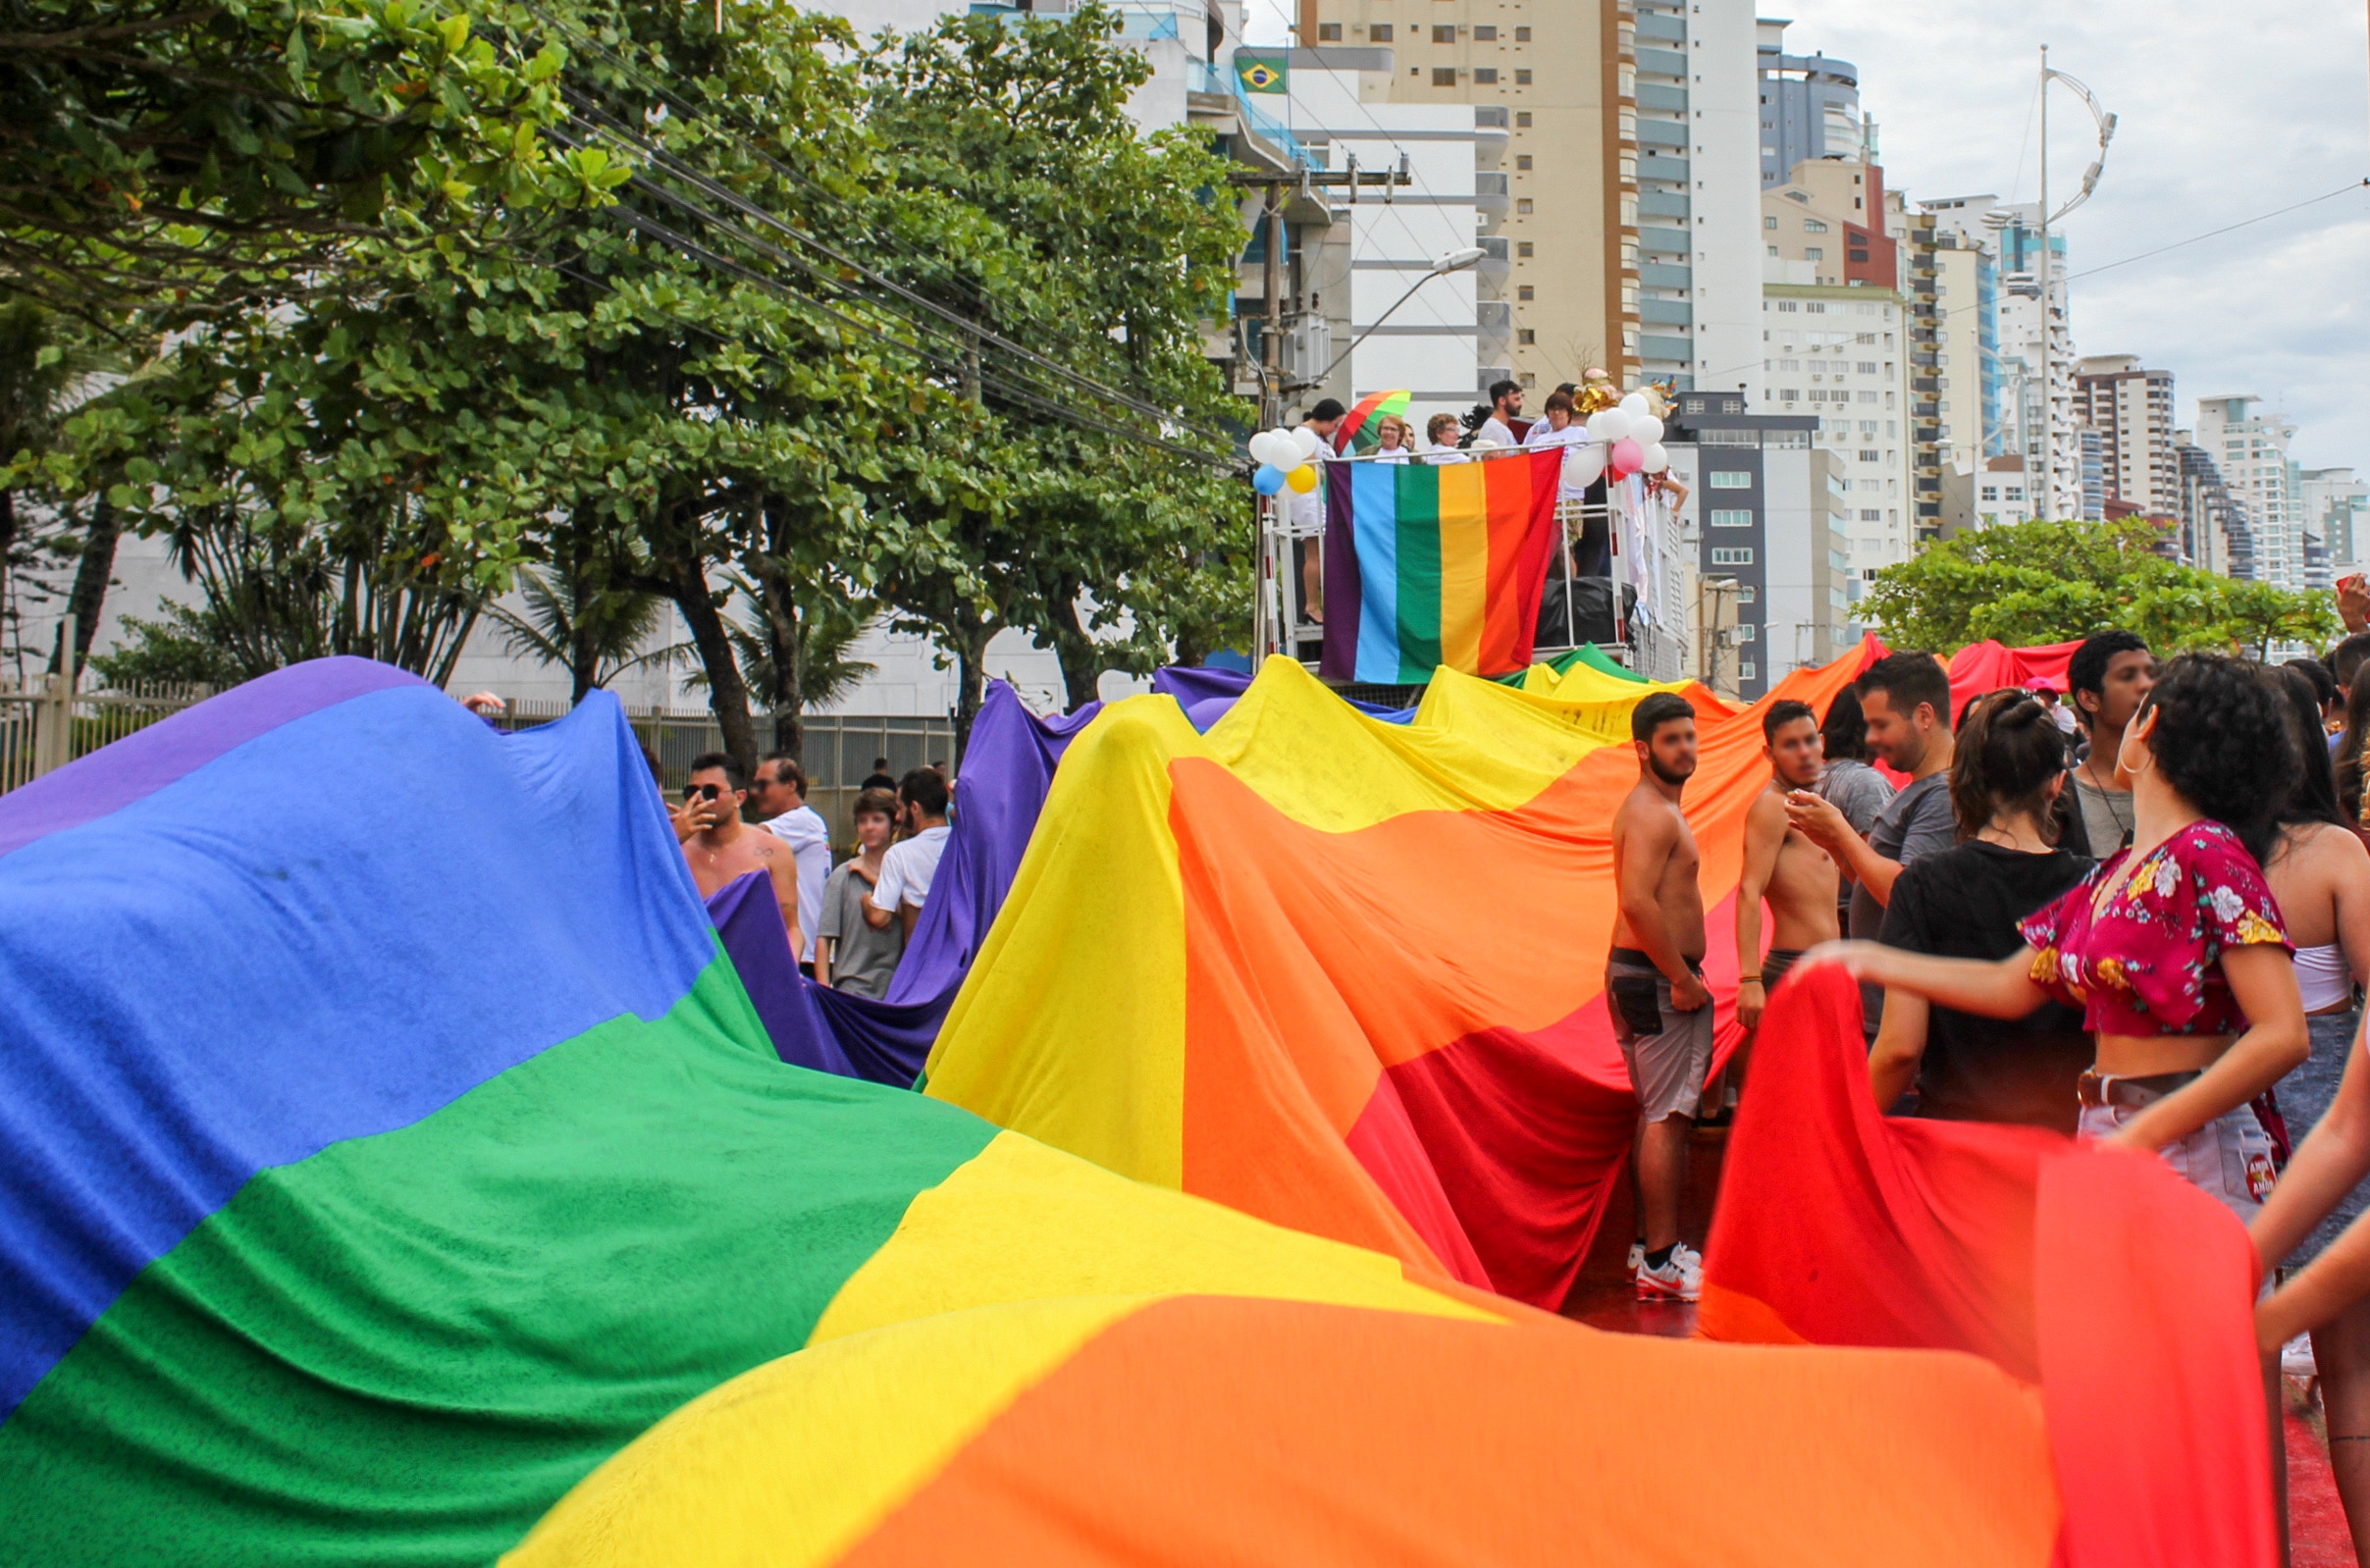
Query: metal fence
[{"x": 45, "y": 723}]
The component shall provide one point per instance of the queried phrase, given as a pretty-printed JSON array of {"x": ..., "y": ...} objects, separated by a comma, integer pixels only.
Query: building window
[
  {"x": 1328, "y": 32},
  {"x": 1529, "y": 379},
  {"x": 1786, "y": 306},
  {"x": 1485, "y": 76},
  {"x": 1729, "y": 479},
  {"x": 1522, "y": 208},
  {"x": 1992, "y": 493},
  {"x": 1813, "y": 226},
  {"x": 1446, "y": 33},
  {"x": 1444, "y": 75},
  {"x": 1773, "y": 250},
  {"x": 1868, "y": 396},
  {"x": 1769, "y": 223},
  {"x": 1380, "y": 33},
  {"x": 1868, "y": 456},
  {"x": 1522, "y": 35},
  {"x": 1731, "y": 554},
  {"x": 1522, "y": 160},
  {"x": 1813, "y": 253},
  {"x": 1746, "y": 632},
  {"x": 1817, "y": 307},
  {"x": 1867, "y": 367},
  {"x": 1870, "y": 514},
  {"x": 1522, "y": 120},
  {"x": 1855, "y": 255},
  {"x": 1523, "y": 248},
  {"x": 1747, "y": 670},
  {"x": 1485, "y": 34},
  {"x": 1746, "y": 593},
  {"x": 1526, "y": 292},
  {"x": 1724, "y": 518},
  {"x": 1526, "y": 337},
  {"x": 1789, "y": 395}
]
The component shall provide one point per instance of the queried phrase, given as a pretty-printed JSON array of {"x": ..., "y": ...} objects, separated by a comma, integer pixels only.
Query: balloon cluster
[
  {"x": 1624, "y": 438},
  {"x": 1284, "y": 457}
]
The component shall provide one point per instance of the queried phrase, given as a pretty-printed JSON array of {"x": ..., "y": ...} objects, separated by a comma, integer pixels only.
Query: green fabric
[
  {"x": 406, "y": 1348},
  {"x": 1587, "y": 654},
  {"x": 1418, "y": 531}
]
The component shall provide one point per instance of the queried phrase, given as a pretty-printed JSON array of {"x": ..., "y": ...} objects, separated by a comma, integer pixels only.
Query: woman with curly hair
[{"x": 2173, "y": 948}]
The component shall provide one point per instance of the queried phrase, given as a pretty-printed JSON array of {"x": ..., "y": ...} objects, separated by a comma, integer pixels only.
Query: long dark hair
[
  {"x": 2349, "y": 744},
  {"x": 2226, "y": 741},
  {"x": 2009, "y": 749},
  {"x": 1844, "y": 735},
  {"x": 2314, "y": 797}
]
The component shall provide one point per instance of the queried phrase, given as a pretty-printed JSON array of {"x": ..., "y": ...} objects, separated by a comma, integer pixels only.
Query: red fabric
[
  {"x": 2123, "y": 1291},
  {"x": 1986, "y": 666},
  {"x": 2151, "y": 961}
]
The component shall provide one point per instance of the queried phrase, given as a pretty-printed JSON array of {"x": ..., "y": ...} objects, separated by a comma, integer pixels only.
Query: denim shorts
[
  {"x": 2229, "y": 1157},
  {"x": 2305, "y": 1096}
]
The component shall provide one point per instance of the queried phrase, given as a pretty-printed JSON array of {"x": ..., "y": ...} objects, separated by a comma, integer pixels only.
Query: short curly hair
[{"x": 2224, "y": 741}]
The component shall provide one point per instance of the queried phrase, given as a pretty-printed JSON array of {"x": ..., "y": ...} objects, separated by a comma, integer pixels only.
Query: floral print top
[{"x": 2147, "y": 961}]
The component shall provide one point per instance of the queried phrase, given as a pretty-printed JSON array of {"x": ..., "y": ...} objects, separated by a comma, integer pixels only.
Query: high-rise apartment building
[
  {"x": 2031, "y": 330},
  {"x": 2216, "y": 533},
  {"x": 2251, "y": 451},
  {"x": 2336, "y": 507},
  {"x": 1810, "y": 107},
  {"x": 2132, "y": 409},
  {"x": 1630, "y": 183}
]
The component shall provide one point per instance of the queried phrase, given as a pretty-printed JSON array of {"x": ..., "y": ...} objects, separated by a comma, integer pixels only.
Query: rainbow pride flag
[{"x": 1436, "y": 565}]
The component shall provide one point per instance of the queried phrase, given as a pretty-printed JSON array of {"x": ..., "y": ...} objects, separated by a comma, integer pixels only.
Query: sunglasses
[{"x": 707, "y": 792}]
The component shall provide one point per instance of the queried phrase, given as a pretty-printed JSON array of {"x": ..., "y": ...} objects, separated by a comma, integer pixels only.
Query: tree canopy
[{"x": 2051, "y": 582}]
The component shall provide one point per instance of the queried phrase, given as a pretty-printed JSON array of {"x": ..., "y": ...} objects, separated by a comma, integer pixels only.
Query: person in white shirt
[
  {"x": 1441, "y": 436},
  {"x": 779, "y": 794},
  {"x": 1306, "y": 508},
  {"x": 911, "y": 864},
  {"x": 1505, "y": 406},
  {"x": 1397, "y": 441}
]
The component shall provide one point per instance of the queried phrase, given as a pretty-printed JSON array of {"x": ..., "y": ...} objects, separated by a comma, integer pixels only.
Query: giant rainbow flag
[
  {"x": 435, "y": 1196},
  {"x": 1431, "y": 565}
]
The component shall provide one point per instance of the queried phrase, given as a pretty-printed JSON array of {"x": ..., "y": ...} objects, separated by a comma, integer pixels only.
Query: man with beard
[
  {"x": 1653, "y": 981},
  {"x": 1782, "y": 866}
]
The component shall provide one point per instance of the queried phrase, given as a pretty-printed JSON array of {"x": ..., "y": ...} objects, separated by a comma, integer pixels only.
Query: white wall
[
  {"x": 1789, "y": 533},
  {"x": 1724, "y": 103}
]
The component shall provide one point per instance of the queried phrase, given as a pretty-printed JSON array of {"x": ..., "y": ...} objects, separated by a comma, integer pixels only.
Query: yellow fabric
[
  {"x": 1464, "y": 563},
  {"x": 791, "y": 1464},
  {"x": 1096, "y": 919},
  {"x": 1021, "y": 1220}
]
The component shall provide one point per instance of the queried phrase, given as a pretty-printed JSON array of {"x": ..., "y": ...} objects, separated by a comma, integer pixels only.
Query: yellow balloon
[{"x": 1302, "y": 479}]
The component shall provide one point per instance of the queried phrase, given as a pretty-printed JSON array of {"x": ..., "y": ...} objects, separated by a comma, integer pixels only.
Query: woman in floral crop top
[{"x": 2174, "y": 948}]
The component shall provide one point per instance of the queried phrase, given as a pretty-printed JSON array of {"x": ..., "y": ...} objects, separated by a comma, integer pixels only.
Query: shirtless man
[
  {"x": 1653, "y": 984},
  {"x": 720, "y": 849},
  {"x": 1781, "y": 865}
]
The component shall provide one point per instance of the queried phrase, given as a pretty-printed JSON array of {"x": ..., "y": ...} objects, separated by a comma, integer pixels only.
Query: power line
[{"x": 2243, "y": 222}]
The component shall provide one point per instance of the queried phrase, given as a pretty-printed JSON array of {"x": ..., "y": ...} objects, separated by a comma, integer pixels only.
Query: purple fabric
[
  {"x": 1007, "y": 770},
  {"x": 1206, "y": 694},
  {"x": 167, "y": 750}
]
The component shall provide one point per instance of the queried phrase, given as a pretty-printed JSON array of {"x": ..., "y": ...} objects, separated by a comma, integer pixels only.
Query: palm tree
[
  {"x": 47, "y": 366},
  {"x": 596, "y": 633}
]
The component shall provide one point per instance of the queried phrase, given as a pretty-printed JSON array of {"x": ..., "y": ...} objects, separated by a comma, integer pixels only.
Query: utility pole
[{"x": 2048, "y": 387}]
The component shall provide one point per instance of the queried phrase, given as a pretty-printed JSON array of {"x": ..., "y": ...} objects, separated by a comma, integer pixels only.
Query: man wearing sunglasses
[{"x": 720, "y": 849}]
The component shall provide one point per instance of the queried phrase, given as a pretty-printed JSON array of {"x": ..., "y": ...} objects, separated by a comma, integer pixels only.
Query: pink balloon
[{"x": 1628, "y": 457}]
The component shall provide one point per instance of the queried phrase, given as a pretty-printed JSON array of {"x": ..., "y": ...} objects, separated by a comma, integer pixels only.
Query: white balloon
[
  {"x": 1275, "y": 448},
  {"x": 1306, "y": 442},
  {"x": 1607, "y": 424},
  {"x": 1584, "y": 466},
  {"x": 1636, "y": 407},
  {"x": 1646, "y": 429},
  {"x": 1657, "y": 459}
]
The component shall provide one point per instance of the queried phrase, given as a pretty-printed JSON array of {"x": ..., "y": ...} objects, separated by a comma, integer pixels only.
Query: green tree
[
  {"x": 593, "y": 630},
  {"x": 2052, "y": 582}
]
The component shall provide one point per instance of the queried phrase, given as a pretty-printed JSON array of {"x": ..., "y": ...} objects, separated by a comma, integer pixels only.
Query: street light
[{"x": 1452, "y": 261}]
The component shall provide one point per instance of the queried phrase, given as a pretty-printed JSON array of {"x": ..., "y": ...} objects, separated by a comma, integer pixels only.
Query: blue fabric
[
  {"x": 1205, "y": 694},
  {"x": 168, "y": 1032}
]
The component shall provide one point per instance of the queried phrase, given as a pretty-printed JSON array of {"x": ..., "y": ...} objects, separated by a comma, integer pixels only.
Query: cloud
[{"x": 2218, "y": 122}]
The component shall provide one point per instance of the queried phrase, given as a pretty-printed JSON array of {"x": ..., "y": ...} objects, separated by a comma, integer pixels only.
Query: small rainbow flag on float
[{"x": 1428, "y": 566}]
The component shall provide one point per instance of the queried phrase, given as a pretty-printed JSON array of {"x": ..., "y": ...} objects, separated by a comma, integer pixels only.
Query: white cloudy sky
[{"x": 2221, "y": 118}]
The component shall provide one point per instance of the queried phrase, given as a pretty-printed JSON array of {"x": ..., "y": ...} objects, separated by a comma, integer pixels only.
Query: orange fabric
[
  {"x": 1204, "y": 1430},
  {"x": 1504, "y": 638},
  {"x": 2123, "y": 1291}
]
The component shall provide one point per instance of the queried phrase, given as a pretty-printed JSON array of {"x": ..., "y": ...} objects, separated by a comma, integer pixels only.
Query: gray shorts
[
  {"x": 2229, "y": 1157},
  {"x": 1669, "y": 1052},
  {"x": 1773, "y": 966}
]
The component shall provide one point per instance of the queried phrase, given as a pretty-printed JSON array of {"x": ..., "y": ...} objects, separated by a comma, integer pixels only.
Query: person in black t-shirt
[{"x": 1965, "y": 901}]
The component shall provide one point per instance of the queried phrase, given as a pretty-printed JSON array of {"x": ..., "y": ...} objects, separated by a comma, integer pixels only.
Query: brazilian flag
[{"x": 1262, "y": 73}]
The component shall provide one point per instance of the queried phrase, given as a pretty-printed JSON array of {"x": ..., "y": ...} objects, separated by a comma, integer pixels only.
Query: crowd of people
[
  {"x": 2137, "y": 912},
  {"x": 849, "y": 925}
]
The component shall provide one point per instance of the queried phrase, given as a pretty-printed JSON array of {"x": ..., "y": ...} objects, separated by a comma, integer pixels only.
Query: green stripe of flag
[
  {"x": 1418, "y": 537},
  {"x": 406, "y": 1348}
]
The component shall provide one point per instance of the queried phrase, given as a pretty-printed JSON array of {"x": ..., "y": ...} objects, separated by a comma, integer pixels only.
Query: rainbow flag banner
[{"x": 1436, "y": 565}]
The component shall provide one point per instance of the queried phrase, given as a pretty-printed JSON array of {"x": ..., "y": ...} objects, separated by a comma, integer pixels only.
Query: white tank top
[{"x": 2322, "y": 977}]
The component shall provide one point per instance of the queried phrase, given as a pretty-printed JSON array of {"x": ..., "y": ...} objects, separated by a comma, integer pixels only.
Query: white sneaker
[
  {"x": 1636, "y": 1258},
  {"x": 1679, "y": 1278}
]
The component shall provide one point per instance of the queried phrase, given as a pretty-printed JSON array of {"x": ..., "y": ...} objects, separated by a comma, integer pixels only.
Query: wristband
[{"x": 1742, "y": 978}]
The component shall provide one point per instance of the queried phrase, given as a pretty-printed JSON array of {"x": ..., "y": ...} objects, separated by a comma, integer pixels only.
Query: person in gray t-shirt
[
  {"x": 1856, "y": 789},
  {"x": 1906, "y": 699},
  {"x": 850, "y": 954}
]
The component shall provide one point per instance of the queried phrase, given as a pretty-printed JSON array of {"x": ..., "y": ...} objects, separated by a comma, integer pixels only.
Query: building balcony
[
  {"x": 1653, "y": 167},
  {"x": 1665, "y": 275},
  {"x": 1663, "y": 204},
  {"x": 1665, "y": 241},
  {"x": 1654, "y": 95},
  {"x": 1490, "y": 273},
  {"x": 1662, "y": 133},
  {"x": 1663, "y": 61},
  {"x": 1666, "y": 351},
  {"x": 1666, "y": 312},
  {"x": 1492, "y": 193},
  {"x": 1662, "y": 26}
]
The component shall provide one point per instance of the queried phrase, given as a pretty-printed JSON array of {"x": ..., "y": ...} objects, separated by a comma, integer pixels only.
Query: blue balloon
[{"x": 1269, "y": 479}]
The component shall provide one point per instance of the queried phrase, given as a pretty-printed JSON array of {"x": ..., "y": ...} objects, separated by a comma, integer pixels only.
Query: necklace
[{"x": 2106, "y": 794}]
